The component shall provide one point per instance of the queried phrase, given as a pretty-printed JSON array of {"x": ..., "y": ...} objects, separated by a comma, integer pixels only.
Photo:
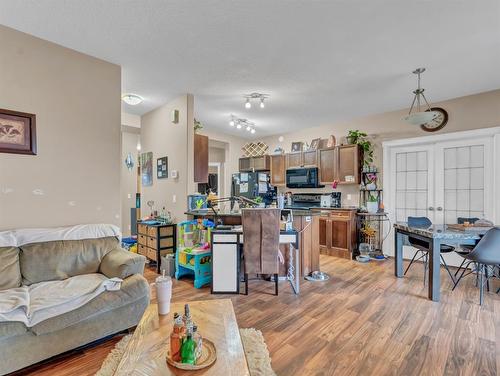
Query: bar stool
[{"x": 261, "y": 236}]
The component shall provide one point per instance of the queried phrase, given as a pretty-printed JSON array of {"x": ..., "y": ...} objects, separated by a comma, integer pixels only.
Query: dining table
[{"x": 434, "y": 235}]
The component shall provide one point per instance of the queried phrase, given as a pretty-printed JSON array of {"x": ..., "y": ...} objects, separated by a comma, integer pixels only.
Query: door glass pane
[
  {"x": 411, "y": 185},
  {"x": 463, "y": 182}
]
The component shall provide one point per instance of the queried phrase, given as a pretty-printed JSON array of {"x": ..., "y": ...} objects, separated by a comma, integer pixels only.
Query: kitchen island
[{"x": 302, "y": 223}]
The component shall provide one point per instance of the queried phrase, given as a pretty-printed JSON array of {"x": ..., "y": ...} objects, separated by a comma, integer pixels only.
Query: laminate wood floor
[{"x": 363, "y": 321}]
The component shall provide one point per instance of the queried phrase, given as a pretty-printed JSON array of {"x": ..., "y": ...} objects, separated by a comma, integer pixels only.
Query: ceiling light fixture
[
  {"x": 242, "y": 123},
  {"x": 257, "y": 96},
  {"x": 132, "y": 99},
  {"x": 420, "y": 117}
]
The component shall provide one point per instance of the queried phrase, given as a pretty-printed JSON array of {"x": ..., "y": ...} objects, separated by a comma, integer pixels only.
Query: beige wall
[
  {"x": 160, "y": 136},
  {"x": 465, "y": 113},
  {"x": 75, "y": 178}
]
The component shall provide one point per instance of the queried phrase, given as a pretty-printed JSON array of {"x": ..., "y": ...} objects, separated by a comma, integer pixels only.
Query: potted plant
[
  {"x": 197, "y": 125},
  {"x": 371, "y": 183},
  {"x": 259, "y": 200},
  {"x": 372, "y": 204},
  {"x": 361, "y": 138}
]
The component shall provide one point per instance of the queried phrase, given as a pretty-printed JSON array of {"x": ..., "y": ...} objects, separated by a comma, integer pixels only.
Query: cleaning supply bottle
[{"x": 176, "y": 338}]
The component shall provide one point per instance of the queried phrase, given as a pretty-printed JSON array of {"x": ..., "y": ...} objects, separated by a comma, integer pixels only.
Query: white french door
[
  {"x": 464, "y": 180},
  {"x": 443, "y": 177}
]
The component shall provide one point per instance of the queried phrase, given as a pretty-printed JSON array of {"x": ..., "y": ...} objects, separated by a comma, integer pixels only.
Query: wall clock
[{"x": 439, "y": 121}]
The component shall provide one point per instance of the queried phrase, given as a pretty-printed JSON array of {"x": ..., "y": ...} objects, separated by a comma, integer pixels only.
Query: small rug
[{"x": 259, "y": 361}]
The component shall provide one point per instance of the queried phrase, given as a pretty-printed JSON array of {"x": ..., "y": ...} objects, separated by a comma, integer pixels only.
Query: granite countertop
[{"x": 442, "y": 231}]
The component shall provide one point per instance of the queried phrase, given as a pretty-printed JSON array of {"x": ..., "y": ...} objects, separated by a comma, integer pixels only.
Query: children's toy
[{"x": 194, "y": 256}]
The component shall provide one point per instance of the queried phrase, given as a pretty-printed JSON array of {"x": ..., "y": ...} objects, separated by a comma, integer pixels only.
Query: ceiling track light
[
  {"x": 255, "y": 96},
  {"x": 419, "y": 116},
  {"x": 242, "y": 123}
]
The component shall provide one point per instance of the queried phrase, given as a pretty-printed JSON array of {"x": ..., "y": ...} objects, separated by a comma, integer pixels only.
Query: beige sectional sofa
[{"x": 108, "y": 313}]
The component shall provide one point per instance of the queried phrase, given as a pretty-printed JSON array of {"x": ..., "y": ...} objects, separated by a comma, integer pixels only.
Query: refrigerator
[{"x": 253, "y": 184}]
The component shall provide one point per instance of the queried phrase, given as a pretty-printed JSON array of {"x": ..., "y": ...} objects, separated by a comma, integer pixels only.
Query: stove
[{"x": 313, "y": 200}]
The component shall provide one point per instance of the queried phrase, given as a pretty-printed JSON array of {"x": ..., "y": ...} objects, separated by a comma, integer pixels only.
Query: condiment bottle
[
  {"x": 198, "y": 340},
  {"x": 188, "y": 349},
  {"x": 176, "y": 338},
  {"x": 188, "y": 321}
]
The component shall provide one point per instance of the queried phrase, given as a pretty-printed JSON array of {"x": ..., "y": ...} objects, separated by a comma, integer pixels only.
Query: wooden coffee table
[{"x": 146, "y": 352}]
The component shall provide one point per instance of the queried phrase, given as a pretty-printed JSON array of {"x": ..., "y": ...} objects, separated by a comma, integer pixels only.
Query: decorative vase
[{"x": 372, "y": 207}]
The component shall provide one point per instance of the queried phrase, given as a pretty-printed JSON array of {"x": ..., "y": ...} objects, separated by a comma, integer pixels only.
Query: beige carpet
[{"x": 259, "y": 361}]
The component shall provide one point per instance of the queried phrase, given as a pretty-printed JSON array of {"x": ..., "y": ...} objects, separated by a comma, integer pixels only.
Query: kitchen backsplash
[{"x": 350, "y": 193}]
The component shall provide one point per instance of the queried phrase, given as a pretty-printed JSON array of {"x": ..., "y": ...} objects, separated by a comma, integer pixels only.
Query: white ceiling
[{"x": 321, "y": 61}]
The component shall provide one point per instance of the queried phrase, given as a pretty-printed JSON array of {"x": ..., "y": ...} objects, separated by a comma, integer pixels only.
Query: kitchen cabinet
[
  {"x": 310, "y": 158},
  {"x": 328, "y": 164},
  {"x": 200, "y": 158},
  {"x": 278, "y": 170},
  {"x": 251, "y": 164},
  {"x": 335, "y": 232},
  {"x": 349, "y": 164},
  {"x": 294, "y": 160}
]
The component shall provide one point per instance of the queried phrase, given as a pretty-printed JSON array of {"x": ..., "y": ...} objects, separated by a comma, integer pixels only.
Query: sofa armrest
[{"x": 122, "y": 264}]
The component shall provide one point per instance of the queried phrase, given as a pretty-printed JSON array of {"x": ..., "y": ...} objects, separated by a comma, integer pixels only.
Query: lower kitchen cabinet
[{"x": 335, "y": 232}]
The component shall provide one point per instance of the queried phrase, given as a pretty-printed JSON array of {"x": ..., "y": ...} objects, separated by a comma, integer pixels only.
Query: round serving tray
[{"x": 207, "y": 358}]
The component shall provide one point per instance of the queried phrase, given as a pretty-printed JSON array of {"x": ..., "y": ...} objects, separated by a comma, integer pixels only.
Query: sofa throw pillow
[
  {"x": 10, "y": 273},
  {"x": 61, "y": 259}
]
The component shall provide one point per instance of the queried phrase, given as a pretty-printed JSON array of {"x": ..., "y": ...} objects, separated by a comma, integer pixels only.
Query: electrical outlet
[{"x": 174, "y": 199}]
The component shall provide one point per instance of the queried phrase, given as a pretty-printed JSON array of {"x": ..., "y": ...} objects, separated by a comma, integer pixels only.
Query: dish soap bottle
[
  {"x": 176, "y": 338},
  {"x": 188, "y": 349}
]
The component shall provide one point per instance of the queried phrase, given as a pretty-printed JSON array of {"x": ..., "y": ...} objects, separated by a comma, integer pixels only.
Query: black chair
[
  {"x": 423, "y": 247},
  {"x": 486, "y": 255}
]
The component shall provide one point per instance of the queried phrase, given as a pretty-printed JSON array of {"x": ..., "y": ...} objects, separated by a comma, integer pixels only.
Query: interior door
[
  {"x": 463, "y": 180},
  {"x": 412, "y": 181}
]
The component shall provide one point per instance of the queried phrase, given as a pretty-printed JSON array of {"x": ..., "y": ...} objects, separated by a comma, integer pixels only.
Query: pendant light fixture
[{"x": 417, "y": 115}]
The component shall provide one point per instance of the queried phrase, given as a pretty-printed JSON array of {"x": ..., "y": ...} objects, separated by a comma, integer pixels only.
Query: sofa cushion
[
  {"x": 10, "y": 273},
  {"x": 11, "y": 329},
  {"x": 132, "y": 289},
  {"x": 61, "y": 259}
]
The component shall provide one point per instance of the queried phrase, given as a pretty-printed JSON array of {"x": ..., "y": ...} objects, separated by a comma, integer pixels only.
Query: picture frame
[
  {"x": 297, "y": 146},
  {"x": 314, "y": 144},
  {"x": 17, "y": 132},
  {"x": 162, "y": 168},
  {"x": 147, "y": 169}
]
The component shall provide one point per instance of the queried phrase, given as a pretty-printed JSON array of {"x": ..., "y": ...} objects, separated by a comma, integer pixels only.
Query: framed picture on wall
[
  {"x": 147, "y": 169},
  {"x": 17, "y": 132},
  {"x": 297, "y": 146},
  {"x": 162, "y": 168}
]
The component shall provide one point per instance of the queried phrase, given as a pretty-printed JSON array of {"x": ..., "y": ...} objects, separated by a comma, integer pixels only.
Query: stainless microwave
[{"x": 302, "y": 178}]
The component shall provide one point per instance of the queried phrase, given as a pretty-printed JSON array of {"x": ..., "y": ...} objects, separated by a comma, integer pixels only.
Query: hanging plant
[
  {"x": 197, "y": 125},
  {"x": 361, "y": 138}
]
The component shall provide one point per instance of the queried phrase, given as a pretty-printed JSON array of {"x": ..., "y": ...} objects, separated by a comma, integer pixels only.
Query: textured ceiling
[{"x": 321, "y": 61}]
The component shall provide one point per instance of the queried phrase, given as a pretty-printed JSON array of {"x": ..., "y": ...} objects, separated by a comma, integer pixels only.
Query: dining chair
[
  {"x": 423, "y": 247},
  {"x": 261, "y": 235},
  {"x": 462, "y": 251},
  {"x": 486, "y": 255}
]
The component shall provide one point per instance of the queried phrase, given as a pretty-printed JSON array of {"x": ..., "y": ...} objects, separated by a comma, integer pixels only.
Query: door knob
[
  {"x": 439, "y": 208},
  {"x": 431, "y": 208}
]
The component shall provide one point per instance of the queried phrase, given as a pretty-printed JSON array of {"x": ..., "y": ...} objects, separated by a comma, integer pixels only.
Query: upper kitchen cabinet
[
  {"x": 328, "y": 162},
  {"x": 350, "y": 159},
  {"x": 294, "y": 160},
  {"x": 310, "y": 158},
  {"x": 278, "y": 169},
  {"x": 200, "y": 158},
  {"x": 261, "y": 163}
]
